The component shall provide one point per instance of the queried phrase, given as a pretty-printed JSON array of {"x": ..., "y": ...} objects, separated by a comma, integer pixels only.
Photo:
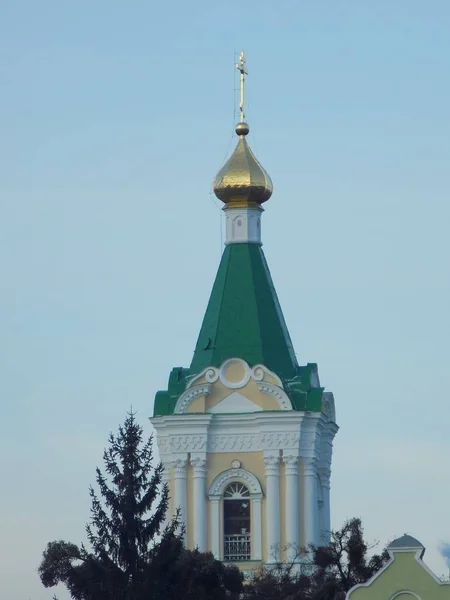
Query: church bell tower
[{"x": 245, "y": 433}]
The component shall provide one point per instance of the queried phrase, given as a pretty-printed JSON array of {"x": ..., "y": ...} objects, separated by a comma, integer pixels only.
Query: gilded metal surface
[
  {"x": 242, "y": 180},
  {"x": 241, "y": 68}
]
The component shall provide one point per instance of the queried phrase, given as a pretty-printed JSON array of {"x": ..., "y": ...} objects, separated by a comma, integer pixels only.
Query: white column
[
  {"x": 310, "y": 519},
  {"x": 272, "y": 508},
  {"x": 214, "y": 525},
  {"x": 256, "y": 527},
  {"x": 291, "y": 511},
  {"x": 180, "y": 495},
  {"x": 200, "y": 510},
  {"x": 325, "y": 525}
]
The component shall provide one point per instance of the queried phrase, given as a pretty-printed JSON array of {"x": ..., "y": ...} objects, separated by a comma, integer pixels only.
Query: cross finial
[{"x": 241, "y": 68}]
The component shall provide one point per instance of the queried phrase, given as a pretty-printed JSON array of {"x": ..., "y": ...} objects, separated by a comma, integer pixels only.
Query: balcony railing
[{"x": 237, "y": 547}]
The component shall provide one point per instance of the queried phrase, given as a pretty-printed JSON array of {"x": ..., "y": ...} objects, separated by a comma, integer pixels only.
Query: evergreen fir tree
[{"x": 132, "y": 556}]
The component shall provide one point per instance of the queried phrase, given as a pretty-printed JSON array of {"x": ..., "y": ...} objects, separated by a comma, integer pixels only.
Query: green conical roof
[{"x": 244, "y": 318}]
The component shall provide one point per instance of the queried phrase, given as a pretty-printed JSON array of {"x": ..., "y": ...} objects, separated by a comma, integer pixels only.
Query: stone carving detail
[
  {"x": 222, "y": 479},
  {"x": 198, "y": 466},
  {"x": 224, "y": 443},
  {"x": 328, "y": 406},
  {"x": 272, "y": 464},
  {"x": 279, "y": 440},
  {"x": 187, "y": 443},
  {"x": 186, "y": 399},
  {"x": 179, "y": 467},
  {"x": 291, "y": 464},
  {"x": 213, "y": 374},
  {"x": 278, "y": 393},
  {"x": 163, "y": 445},
  {"x": 309, "y": 467}
]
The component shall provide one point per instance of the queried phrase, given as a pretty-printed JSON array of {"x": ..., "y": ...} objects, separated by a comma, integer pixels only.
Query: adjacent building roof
[{"x": 405, "y": 541}]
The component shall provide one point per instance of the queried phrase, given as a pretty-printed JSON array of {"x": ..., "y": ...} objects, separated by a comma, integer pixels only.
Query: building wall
[
  {"x": 405, "y": 578},
  {"x": 203, "y": 429}
]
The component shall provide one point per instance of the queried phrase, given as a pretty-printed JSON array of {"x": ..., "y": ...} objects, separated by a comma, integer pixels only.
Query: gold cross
[{"x": 241, "y": 68}]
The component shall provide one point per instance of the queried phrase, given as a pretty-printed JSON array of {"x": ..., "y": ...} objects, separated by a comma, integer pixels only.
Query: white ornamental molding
[
  {"x": 163, "y": 445},
  {"x": 276, "y": 392},
  {"x": 226, "y": 477},
  {"x": 325, "y": 477},
  {"x": 328, "y": 406},
  {"x": 272, "y": 464},
  {"x": 198, "y": 467},
  {"x": 291, "y": 464},
  {"x": 179, "y": 467},
  {"x": 187, "y": 443},
  {"x": 279, "y": 440},
  {"x": 188, "y": 397},
  {"x": 213, "y": 374},
  {"x": 239, "y": 443},
  {"x": 302, "y": 443},
  {"x": 253, "y": 442},
  {"x": 309, "y": 467}
]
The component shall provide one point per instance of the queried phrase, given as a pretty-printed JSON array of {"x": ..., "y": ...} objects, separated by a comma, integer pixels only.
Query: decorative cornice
[
  {"x": 186, "y": 399},
  {"x": 224, "y": 478},
  {"x": 213, "y": 374},
  {"x": 328, "y": 406},
  {"x": 279, "y": 394},
  {"x": 302, "y": 434}
]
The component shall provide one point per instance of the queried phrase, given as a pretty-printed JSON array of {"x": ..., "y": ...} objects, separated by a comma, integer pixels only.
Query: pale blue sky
[{"x": 115, "y": 117}]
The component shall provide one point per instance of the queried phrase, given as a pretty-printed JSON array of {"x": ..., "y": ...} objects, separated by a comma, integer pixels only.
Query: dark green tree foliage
[
  {"x": 132, "y": 557},
  {"x": 346, "y": 561}
]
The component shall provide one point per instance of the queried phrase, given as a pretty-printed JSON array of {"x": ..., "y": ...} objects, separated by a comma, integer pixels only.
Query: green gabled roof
[{"x": 244, "y": 318}]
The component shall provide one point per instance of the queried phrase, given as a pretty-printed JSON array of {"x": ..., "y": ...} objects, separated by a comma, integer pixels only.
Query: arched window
[
  {"x": 235, "y": 515},
  {"x": 236, "y": 522}
]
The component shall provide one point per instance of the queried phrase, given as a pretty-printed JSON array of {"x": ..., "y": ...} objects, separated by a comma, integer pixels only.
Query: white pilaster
[
  {"x": 310, "y": 519},
  {"x": 200, "y": 511},
  {"x": 214, "y": 525},
  {"x": 272, "y": 508},
  {"x": 291, "y": 511},
  {"x": 180, "y": 495},
  {"x": 256, "y": 527},
  {"x": 243, "y": 225},
  {"x": 325, "y": 521}
]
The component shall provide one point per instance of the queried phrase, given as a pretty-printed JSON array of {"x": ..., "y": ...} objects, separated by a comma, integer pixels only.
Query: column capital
[
  {"x": 309, "y": 467},
  {"x": 198, "y": 467},
  {"x": 291, "y": 464},
  {"x": 272, "y": 465},
  {"x": 179, "y": 467},
  {"x": 325, "y": 477}
]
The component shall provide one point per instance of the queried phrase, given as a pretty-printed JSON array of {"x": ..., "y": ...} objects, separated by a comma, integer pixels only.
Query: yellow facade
[{"x": 405, "y": 577}]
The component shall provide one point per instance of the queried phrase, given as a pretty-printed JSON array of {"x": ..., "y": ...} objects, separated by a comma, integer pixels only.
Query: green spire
[{"x": 243, "y": 318}]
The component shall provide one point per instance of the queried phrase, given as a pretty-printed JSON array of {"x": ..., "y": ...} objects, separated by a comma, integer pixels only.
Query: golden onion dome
[{"x": 242, "y": 181}]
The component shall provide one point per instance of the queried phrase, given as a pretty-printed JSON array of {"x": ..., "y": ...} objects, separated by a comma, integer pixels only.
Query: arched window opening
[{"x": 236, "y": 526}]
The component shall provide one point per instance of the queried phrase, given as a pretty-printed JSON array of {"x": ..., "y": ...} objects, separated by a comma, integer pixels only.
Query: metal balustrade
[{"x": 237, "y": 547}]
